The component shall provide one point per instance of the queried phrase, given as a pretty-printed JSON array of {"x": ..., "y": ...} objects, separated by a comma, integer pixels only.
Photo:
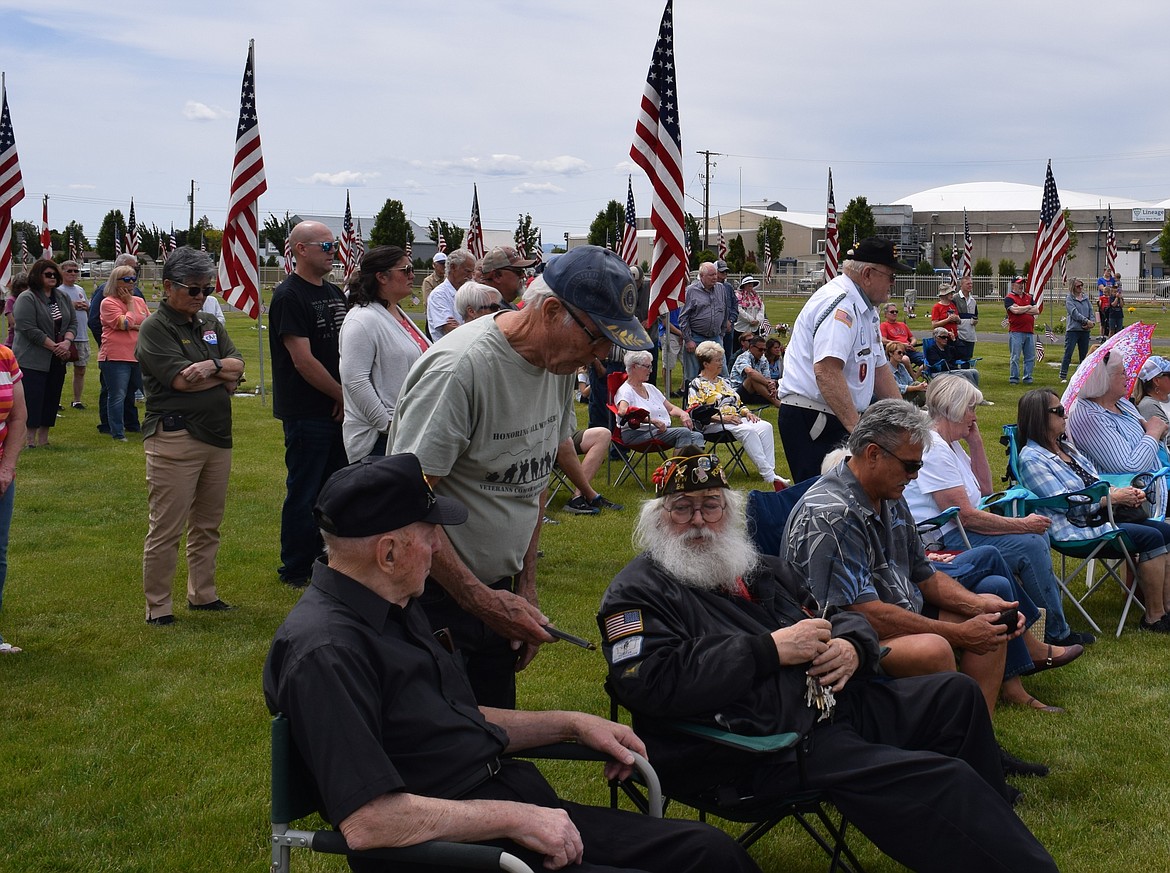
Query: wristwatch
[{"x": 218, "y": 364}]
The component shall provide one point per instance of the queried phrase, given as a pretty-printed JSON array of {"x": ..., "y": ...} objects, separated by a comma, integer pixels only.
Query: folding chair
[
  {"x": 557, "y": 481},
  {"x": 767, "y": 514},
  {"x": 624, "y": 450},
  {"x": 939, "y": 368},
  {"x": 704, "y": 417},
  {"x": 294, "y": 796}
]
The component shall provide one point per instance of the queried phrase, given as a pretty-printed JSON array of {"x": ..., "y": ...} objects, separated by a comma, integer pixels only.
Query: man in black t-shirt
[{"x": 304, "y": 322}]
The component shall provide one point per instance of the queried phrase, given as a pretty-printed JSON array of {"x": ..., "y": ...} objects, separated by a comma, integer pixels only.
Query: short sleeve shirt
[
  {"x": 943, "y": 467},
  {"x": 9, "y": 375},
  {"x": 315, "y": 312}
]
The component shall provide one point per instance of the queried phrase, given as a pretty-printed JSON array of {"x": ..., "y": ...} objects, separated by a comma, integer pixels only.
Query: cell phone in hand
[{"x": 1009, "y": 618}]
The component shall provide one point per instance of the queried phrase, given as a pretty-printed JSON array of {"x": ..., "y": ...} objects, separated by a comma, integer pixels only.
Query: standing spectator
[
  {"x": 945, "y": 314},
  {"x": 475, "y": 300},
  {"x": 122, "y": 315},
  {"x": 730, "y": 345},
  {"x": 441, "y": 315},
  {"x": 1021, "y": 316},
  {"x": 436, "y": 276},
  {"x": 304, "y": 322},
  {"x": 704, "y": 317},
  {"x": 191, "y": 368},
  {"x": 486, "y": 411},
  {"x": 503, "y": 269},
  {"x": 19, "y": 286},
  {"x": 1106, "y": 285},
  {"x": 836, "y": 363},
  {"x": 12, "y": 436},
  {"x": 671, "y": 340},
  {"x": 1116, "y": 308},
  {"x": 899, "y": 332},
  {"x": 94, "y": 316},
  {"x": 46, "y": 324},
  {"x": 212, "y": 307},
  {"x": 379, "y": 343},
  {"x": 71, "y": 270},
  {"x": 1078, "y": 324},
  {"x": 968, "y": 308},
  {"x": 750, "y": 308}
]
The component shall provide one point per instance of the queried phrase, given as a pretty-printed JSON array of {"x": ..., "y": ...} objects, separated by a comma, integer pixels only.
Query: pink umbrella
[{"x": 1132, "y": 343}]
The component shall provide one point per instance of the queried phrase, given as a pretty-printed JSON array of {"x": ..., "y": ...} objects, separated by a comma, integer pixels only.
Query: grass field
[{"x": 131, "y": 748}]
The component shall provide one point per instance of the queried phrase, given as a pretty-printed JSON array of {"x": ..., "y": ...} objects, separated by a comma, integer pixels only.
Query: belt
[
  {"x": 806, "y": 403},
  {"x": 477, "y": 777}
]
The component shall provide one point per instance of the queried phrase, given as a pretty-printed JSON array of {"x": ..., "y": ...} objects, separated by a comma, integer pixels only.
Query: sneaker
[
  {"x": 549, "y": 520},
  {"x": 161, "y": 620},
  {"x": 77, "y": 404},
  {"x": 1161, "y": 626},
  {"x": 600, "y": 502},
  {"x": 1013, "y": 766},
  {"x": 580, "y": 506},
  {"x": 987, "y": 403}
]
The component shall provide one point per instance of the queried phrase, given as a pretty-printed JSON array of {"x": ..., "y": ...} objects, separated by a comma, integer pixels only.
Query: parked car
[
  {"x": 1162, "y": 289},
  {"x": 812, "y": 281},
  {"x": 943, "y": 274}
]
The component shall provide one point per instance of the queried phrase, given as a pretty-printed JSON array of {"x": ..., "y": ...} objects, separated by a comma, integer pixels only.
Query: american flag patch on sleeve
[
  {"x": 623, "y": 624},
  {"x": 844, "y": 317}
]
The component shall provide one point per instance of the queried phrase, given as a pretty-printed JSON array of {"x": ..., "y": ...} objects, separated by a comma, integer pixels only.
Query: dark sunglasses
[
  {"x": 910, "y": 467},
  {"x": 130, "y": 279},
  {"x": 196, "y": 290},
  {"x": 1057, "y": 410},
  {"x": 71, "y": 270},
  {"x": 492, "y": 307},
  {"x": 327, "y": 246}
]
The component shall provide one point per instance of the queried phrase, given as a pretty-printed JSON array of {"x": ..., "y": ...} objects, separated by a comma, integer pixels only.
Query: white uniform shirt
[{"x": 847, "y": 329}]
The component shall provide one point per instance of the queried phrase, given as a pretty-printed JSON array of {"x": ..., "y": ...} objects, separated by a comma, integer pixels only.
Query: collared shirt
[
  {"x": 745, "y": 360},
  {"x": 846, "y": 329},
  {"x": 1116, "y": 443},
  {"x": 1045, "y": 474},
  {"x": 374, "y": 703},
  {"x": 968, "y": 311},
  {"x": 1019, "y": 323},
  {"x": 705, "y": 312},
  {"x": 851, "y": 553},
  {"x": 440, "y": 307}
]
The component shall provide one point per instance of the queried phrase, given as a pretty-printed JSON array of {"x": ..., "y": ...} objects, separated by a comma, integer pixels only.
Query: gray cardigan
[{"x": 34, "y": 325}]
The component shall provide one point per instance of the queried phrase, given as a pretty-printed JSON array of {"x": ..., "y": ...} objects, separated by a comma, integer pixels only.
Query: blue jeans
[
  {"x": 691, "y": 363},
  {"x": 129, "y": 410},
  {"x": 313, "y": 452},
  {"x": 5, "y": 523},
  {"x": 1073, "y": 339},
  {"x": 1021, "y": 346},
  {"x": 1029, "y": 557},
  {"x": 118, "y": 378}
]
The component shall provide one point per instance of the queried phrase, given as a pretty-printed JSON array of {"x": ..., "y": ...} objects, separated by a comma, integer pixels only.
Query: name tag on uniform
[{"x": 211, "y": 337}]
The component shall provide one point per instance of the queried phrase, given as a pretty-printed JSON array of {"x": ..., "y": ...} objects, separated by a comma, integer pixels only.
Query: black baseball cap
[
  {"x": 598, "y": 282},
  {"x": 874, "y": 250},
  {"x": 380, "y": 494}
]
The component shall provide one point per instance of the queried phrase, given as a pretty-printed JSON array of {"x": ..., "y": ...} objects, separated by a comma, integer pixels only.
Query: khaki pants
[{"x": 186, "y": 483}]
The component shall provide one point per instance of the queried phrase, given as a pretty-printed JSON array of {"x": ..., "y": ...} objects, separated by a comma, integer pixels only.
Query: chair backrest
[
  {"x": 768, "y": 512},
  {"x": 613, "y": 382},
  {"x": 928, "y": 368},
  {"x": 1011, "y": 444},
  {"x": 294, "y": 794}
]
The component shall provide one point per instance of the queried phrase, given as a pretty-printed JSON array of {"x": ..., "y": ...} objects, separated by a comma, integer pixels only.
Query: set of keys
[{"x": 819, "y": 697}]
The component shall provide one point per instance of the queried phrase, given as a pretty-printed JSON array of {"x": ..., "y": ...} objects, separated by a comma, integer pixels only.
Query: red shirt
[
  {"x": 896, "y": 332},
  {"x": 940, "y": 311},
  {"x": 1019, "y": 323}
]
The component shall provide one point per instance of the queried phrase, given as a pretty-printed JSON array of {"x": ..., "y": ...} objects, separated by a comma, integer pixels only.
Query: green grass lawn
[{"x": 132, "y": 748}]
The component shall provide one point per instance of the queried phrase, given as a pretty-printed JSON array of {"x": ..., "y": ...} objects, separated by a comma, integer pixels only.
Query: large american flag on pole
[
  {"x": 657, "y": 149},
  {"x": 239, "y": 272},
  {"x": 1111, "y": 246},
  {"x": 629, "y": 247},
  {"x": 345, "y": 249},
  {"x": 832, "y": 244},
  {"x": 955, "y": 274},
  {"x": 72, "y": 248},
  {"x": 359, "y": 245},
  {"x": 539, "y": 252},
  {"x": 722, "y": 238},
  {"x": 132, "y": 238},
  {"x": 965, "y": 268},
  {"x": 118, "y": 239},
  {"x": 1051, "y": 239},
  {"x": 767, "y": 261},
  {"x": 475, "y": 228},
  {"x": 11, "y": 187},
  {"x": 441, "y": 245},
  {"x": 172, "y": 243},
  {"x": 46, "y": 237}
]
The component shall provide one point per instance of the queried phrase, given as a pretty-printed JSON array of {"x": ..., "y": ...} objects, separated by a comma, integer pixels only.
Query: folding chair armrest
[
  {"x": 436, "y": 853},
  {"x": 1007, "y": 503},
  {"x": 569, "y": 751},
  {"x": 937, "y": 521},
  {"x": 1060, "y": 501},
  {"x": 766, "y": 743}
]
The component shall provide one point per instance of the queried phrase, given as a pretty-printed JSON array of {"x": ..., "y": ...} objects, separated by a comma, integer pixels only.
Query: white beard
[{"x": 699, "y": 557}]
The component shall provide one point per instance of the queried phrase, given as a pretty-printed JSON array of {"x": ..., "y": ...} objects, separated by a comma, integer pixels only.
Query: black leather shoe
[
  {"x": 1013, "y": 766},
  {"x": 216, "y": 605},
  {"x": 295, "y": 583},
  {"x": 161, "y": 620},
  {"x": 1075, "y": 638}
]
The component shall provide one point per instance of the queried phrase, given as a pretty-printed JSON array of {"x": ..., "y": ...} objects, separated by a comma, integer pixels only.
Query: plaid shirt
[{"x": 1046, "y": 475}]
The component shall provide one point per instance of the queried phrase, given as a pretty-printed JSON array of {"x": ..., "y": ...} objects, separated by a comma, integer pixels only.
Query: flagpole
[{"x": 260, "y": 340}]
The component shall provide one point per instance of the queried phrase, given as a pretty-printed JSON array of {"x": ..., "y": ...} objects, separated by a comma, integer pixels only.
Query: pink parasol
[{"x": 1132, "y": 343}]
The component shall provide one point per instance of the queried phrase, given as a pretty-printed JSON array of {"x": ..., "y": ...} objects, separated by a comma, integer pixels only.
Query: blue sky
[{"x": 535, "y": 102}]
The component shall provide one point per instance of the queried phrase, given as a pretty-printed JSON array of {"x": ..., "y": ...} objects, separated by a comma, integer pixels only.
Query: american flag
[
  {"x": 1049, "y": 334},
  {"x": 203, "y": 241},
  {"x": 25, "y": 255},
  {"x": 475, "y": 228},
  {"x": 289, "y": 260},
  {"x": 954, "y": 262},
  {"x": 239, "y": 273},
  {"x": 359, "y": 245},
  {"x": 441, "y": 245},
  {"x": 832, "y": 245},
  {"x": 118, "y": 239},
  {"x": 1039, "y": 351},
  {"x": 72, "y": 248},
  {"x": 11, "y": 188},
  {"x": 1111, "y": 246},
  {"x": 967, "y": 247},
  {"x": 345, "y": 247},
  {"x": 409, "y": 248},
  {"x": 629, "y": 247},
  {"x": 657, "y": 149},
  {"x": 162, "y": 248},
  {"x": 539, "y": 253},
  {"x": 767, "y": 260},
  {"x": 722, "y": 238},
  {"x": 1051, "y": 239},
  {"x": 46, "y": 238},
  {"x": 172, "y": 242},
  {"x": 132, "y": 238}
]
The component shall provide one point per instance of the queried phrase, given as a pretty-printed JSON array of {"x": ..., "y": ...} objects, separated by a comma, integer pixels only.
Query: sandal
[
  {"x": 1070, "y": 654},
  {"x": 9, "y": 649},
  {"x": 1033, "y": 703}
]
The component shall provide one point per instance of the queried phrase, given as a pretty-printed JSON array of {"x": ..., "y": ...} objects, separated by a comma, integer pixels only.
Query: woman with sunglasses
[
  {"x": 122, "y": 315},
  {"x": 1151, "y": 392},
  {"x": 1050, "y": 466},
  {"x": 378, "y": 343},
  {"x": 46, "y": 324},
  {"x": 190, "y": 368}
]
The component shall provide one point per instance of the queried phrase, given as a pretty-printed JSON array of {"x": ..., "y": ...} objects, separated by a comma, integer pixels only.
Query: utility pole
[
  {"x": 707, "y": 196},
  {"x": 191, "y": 200}
]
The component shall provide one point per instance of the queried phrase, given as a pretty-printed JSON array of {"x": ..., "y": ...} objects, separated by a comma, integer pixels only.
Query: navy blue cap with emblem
[{"x": 598, "y": 282}]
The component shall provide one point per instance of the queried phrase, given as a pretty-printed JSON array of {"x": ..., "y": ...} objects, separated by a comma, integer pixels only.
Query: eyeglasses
[
  {"x": 889, "y": 276},
  {"x": 130, "y": 279},
  {"x": 196, "y": 290},
  {"x": 52, "y": 273},
  {"x": 1057, "y": 410},
  {"x": 519, "y": 271},
  {"x": 71, "y": 270},
  {"x": 327, "y": 246},
  {"x": 683, "y": 511},
  {"x": 408, "y": 269},
  {"x": 593, "y": 340},
  {"x": 910, "y": 467},
  {"x": 491, "y": 307}
]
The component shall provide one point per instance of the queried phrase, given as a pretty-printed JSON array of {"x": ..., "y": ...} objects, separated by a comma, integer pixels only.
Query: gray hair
[
  {"x": 645, "y": 529},
  {"x": 707, "y": 350},
  {"x": 460, "y": 258},
  {"x": 888, "y": 421},
  {"x": 637, "y": 357},
  {"x": 474, "y": 296},
  {"x": 65, "y": 264},
  {"x": 1097, "y": 382},
  {"x": 126, "y": 260},
  {"x": 187, "y": 264},
  {"x": 951, "y": 397}
]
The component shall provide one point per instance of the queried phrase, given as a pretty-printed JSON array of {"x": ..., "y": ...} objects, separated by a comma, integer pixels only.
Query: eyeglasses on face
[
  {"x": 130, "y": 279},
  {"x": 593, "y": 339},
  {"x": 326, "y": 246},
  {"x": 491, "y": 307},
  {"x": 910, "y": 467},
  {"x": 72, "y": 270},
  {"x": 52, "y": 273},
  {"x": 682, "y": 511},
  {"x": 1057, "y": 410},
  {"x": 196, "y": 290},
  {"x": 408, "y": 269}
]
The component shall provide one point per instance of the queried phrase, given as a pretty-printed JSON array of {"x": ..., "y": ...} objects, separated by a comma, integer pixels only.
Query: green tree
[
  {"x": 923, "y": 268},
  {"x": 1164, "y": 243},
  {"x": 944, "y": 253},
  {"x": 736, "y": 254},
  {"x": 694, "y": 240},
  {"x": 704, "y": 255},
  {"x": 29, "y": 232},
  {"x": 770, "y": 231},
  {"x": 608, "y": 222},
  {"x": 982, "y": 267},
  {"x": 204, "y": 233},
  {"x": 105, "y": 238},
  {"x": 527, "y": 237},
  {"x": 75, "y": 230},
  {"x": 148, "y": 240},
  {"x": 855, "y": 223},
  {"x": 1072, "y": 236},
  {"x": 391, "y": 227},
  {"x": 452, "y": 235},
  {"x": 1007, "y": 267},
  {"x": 275, "y": 230}
]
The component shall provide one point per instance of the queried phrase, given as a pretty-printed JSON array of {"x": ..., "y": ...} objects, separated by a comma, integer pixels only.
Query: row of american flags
[{"x": 656, "y": 149}]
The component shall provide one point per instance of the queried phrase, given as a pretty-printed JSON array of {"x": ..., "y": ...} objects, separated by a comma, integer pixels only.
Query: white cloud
[
  {"x": 562, "y": 165},
  {"x": 193, "y": 110},
  {"x": 624, "y": 168},
  {"x": 344, "y": 177},
  {"x": 81, "y": 186},
  {"x": 413, "y": 185},
  {"x": 537, "y": 188},
  {"x": 512, "y": 165}
]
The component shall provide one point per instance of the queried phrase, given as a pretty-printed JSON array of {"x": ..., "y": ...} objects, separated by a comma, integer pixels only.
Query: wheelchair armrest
[{"x": 766, "y": 743}]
